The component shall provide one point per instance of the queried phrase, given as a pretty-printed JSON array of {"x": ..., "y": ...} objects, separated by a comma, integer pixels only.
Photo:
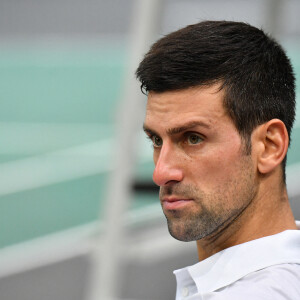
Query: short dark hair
[{"x": 252, "y": 67}]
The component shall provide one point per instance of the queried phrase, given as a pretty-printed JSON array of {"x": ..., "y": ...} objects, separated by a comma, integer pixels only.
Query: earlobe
[{"x": 273, "y": 144}]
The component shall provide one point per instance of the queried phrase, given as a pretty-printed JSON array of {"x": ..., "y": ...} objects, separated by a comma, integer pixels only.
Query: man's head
[
  {"x": 221, "y": 101},
  {"x": 253, "y": 70}
]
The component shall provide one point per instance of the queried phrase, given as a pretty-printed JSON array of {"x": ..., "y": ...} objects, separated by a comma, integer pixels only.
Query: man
[{"x": 221, "y": 105}]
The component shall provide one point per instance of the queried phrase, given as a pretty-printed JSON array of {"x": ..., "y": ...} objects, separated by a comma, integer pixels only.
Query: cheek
[{"x": 219, "y": 167}]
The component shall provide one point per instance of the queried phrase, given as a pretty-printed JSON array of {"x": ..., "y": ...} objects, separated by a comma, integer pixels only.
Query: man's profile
[{"x": 220, "y": 110}]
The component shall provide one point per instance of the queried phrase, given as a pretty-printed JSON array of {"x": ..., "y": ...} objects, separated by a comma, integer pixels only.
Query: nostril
[{"x": 171, "y": 182}]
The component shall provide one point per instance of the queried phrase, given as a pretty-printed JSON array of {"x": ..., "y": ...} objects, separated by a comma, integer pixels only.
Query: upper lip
[{"x": 174, "y": 199}]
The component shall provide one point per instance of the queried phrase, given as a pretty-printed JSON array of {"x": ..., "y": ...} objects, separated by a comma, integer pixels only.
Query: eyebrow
[{"x": 179, "y": 129}]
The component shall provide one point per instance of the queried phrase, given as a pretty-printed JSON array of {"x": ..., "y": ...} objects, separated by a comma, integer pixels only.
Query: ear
[{"x": 272, "y": 145}]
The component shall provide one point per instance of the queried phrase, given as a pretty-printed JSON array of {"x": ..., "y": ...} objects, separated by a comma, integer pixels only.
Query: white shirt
[{"x": 264, "y": 269}]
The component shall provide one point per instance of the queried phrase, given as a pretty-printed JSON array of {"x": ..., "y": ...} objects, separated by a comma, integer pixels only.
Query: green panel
[
  {"x": 294, "y": 151},
  {"x": 42, "y": 92},
  {"x": 60, "y": 87},
  {"x": 37, "y": 212},
  {"x": 294, "y": 54}
]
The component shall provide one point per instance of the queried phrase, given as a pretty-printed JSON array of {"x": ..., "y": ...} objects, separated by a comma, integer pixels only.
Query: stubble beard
[
  {"x": 211, "y": 212},
  {"x": 194, "y": 225}
]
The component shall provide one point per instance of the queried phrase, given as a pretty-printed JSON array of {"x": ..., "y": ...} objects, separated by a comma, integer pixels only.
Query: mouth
[{"x": 172, "y": 203}]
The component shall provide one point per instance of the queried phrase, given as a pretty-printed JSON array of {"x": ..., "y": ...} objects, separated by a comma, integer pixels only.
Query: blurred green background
[{"x": 56, "y": 135}]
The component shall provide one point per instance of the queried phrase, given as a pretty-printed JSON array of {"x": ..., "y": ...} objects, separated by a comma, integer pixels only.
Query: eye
[
  {"x": 194, "y": 139},
  {"x": 156, "y": 140}
]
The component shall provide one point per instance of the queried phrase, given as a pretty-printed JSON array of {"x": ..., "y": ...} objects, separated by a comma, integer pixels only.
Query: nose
[{"x": 167, "y": 167}]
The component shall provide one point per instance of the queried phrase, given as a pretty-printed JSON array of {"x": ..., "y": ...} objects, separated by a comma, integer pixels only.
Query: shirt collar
[{"x": 231, "y": 264}]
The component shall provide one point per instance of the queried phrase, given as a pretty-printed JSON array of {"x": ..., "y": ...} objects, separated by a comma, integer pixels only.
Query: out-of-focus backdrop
[{"x": 64, "y": 66}]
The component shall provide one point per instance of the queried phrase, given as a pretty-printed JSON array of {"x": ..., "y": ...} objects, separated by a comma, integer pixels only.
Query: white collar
[{"x": 231, "y": 264}]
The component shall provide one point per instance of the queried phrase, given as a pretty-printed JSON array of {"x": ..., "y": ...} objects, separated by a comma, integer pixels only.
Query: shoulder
[{"x": 279, "y": 282}]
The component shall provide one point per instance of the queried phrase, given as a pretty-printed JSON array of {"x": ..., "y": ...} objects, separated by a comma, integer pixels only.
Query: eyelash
[{"x": 186, "y": 136}]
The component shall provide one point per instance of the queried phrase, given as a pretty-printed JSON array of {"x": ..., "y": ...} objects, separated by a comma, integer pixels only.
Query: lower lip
[{"x": 168, "y": 205}]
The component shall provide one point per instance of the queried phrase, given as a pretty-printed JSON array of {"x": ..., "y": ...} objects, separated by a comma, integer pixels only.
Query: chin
[{"x": 183, "y": 234}]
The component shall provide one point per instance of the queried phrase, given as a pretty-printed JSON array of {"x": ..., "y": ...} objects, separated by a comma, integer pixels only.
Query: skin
[{"x": 211, "y": 191}]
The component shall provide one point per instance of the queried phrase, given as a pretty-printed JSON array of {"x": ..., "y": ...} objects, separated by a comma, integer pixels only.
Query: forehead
[{"x": 200, "y": 102}]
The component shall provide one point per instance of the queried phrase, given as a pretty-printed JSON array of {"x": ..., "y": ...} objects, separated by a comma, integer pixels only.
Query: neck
[{"x": 251, "y": 224}]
